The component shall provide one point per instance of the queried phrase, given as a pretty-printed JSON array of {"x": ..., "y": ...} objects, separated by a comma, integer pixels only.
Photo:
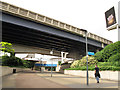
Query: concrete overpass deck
[{"x": 32, "y": 30}]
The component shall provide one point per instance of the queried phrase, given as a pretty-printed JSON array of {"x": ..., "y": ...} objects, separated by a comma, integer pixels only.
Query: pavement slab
[
  {"x": 77, "y": 81},
  {"x": 36, "y": 79}
]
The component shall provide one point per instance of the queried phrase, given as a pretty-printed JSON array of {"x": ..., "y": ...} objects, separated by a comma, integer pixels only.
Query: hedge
[
  {"x": 104, "y": 64},
  {"x": 102, "y": 68}
]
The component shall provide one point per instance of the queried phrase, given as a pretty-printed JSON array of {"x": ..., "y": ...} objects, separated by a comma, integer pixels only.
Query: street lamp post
[
  {"x": 51, "y": 68},
  {"x": 51, "y": 52},
  {"x": 87, "y": 56},
  {"x": 86, "y": 35}
]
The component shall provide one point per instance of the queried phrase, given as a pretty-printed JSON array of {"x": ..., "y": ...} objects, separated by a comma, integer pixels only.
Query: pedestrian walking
[{"x": 97, "y": 74}]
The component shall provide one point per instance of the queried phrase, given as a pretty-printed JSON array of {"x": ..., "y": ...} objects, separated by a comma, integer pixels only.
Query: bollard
[{"x": 14, "y": 70}]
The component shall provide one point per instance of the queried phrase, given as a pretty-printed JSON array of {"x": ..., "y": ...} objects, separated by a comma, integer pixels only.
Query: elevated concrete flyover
[{"x": 40, "y": 34}]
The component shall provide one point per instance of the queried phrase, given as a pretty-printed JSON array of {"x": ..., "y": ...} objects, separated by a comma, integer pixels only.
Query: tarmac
[{"x": 36, "y": 79}]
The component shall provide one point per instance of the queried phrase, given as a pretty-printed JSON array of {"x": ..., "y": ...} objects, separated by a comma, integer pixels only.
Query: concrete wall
[
  {"x": 110, "y": 75},
  {"x": 8, "y": 70}
]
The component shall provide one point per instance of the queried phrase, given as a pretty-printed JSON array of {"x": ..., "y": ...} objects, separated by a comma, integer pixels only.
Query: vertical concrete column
[
  {"x": 77, "y": 54},
  {"x": 62, "y": 53},
  {"x": 103, "y": 45},
  {"x": 42, "y": 69},
  {"x": 63, "y": 56}
]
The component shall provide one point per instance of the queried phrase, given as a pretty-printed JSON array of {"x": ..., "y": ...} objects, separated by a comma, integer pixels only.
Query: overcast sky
[{"x": 84, "y": 14}]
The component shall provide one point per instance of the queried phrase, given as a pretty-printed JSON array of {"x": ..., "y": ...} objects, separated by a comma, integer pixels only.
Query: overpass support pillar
[
  {"x": 63, "y": 56},
  {"x": 77, "y": 54}
]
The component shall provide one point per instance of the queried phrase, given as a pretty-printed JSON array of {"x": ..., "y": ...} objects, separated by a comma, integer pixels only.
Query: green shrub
[
  {"x": 115, "y": 59},
  {"x": 91, "y": 68},
  {"x": 11, "y": 61},
  {"x": 83, "y": 61},
  {"x": 28, "y": 64},
  {"x": 113, "y": 68},
  {"x": 108, "y": 51},
  {"x": 17, "y": 62},
  {"x": 102, "y": 68},
  {"x": 75, "y": 64},
  {"x": 91, "y": 61},
  {"x": 98, "y": 56},
  {"x": 116, "y": 68},
  {"x": 72, "y": 69},
  {"x": 20, "y": 61},
  {"x": 83, "y": 68},
  {"x": 59, "y": 62},
  {"x": 5, "y": 60},
  {"x": 104, "y": 64}
]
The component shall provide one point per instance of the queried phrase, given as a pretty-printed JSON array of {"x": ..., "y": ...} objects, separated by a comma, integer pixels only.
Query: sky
[{"x": 84, "y": 14}]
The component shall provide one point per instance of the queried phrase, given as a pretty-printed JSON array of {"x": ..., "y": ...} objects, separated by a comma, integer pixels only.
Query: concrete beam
[
  {"x": 29, "y": 49},
  {"x": 75, "y": 54}
]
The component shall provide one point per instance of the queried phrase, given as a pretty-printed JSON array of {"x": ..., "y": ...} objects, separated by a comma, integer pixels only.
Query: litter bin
[{"x": 14, "y": 70}]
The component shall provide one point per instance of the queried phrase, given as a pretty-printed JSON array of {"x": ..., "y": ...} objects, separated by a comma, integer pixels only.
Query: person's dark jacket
[{"x": 97, "y": 72}]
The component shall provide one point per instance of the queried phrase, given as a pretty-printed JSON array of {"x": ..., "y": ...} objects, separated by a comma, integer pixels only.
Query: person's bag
[{"x": 99, "y": 75}]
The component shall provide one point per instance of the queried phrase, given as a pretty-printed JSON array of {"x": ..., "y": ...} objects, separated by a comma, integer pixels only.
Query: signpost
[{"x": 110, "y": 17}]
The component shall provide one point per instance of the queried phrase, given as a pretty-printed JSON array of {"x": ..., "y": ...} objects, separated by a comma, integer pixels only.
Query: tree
[{"x": 7, "y": 47}]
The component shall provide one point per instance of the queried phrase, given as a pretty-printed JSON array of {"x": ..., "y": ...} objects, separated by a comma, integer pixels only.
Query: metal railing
[{"x": 12, "y": 9}]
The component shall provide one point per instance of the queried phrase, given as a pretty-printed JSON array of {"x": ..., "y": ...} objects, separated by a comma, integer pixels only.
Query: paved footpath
[
  {"x": 35, "y": 79},
  {"x": 77, "y": 81},
  {"x": 28, "y": 79}
]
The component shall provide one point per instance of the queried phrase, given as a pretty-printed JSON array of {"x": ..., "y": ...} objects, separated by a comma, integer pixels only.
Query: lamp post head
[
  {"x": 51, "y": 52},
  {"x": 84, "y": 30}
]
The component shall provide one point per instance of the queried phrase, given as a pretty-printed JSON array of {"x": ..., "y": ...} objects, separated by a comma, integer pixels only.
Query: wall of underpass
[{"x": 5, "y": 70}]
